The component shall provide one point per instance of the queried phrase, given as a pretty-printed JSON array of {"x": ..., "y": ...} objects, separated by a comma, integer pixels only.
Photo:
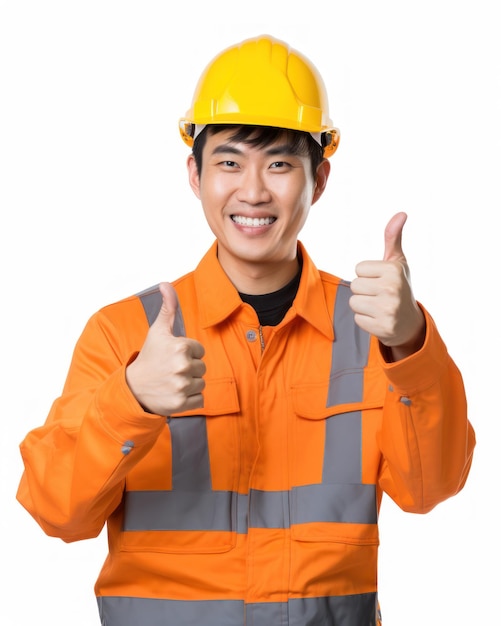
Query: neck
[{"x": 257, "y": 279}]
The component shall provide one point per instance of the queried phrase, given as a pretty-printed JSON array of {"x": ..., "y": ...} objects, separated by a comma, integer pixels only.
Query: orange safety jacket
[{"x": 262, "y": 507}]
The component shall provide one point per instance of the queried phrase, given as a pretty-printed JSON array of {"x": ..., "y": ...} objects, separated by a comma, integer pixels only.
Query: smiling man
[{"x": 236, "y": 430}]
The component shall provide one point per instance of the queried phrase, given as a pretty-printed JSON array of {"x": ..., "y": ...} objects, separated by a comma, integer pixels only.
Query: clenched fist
[
  {"x": 382, "y": 299},
  {"x": 167, "y": 375}
]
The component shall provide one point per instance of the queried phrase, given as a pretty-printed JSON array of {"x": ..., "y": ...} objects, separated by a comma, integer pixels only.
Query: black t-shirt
[{"x": 272, "y": 307}]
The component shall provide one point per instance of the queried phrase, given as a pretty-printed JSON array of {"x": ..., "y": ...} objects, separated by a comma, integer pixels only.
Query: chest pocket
[
  {"x": 193, "y": 513},
  {"x": 330, "y": 501}
]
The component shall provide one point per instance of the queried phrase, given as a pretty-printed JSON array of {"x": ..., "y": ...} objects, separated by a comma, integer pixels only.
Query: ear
[
  {"x": 193, "y": 176},
  {"x": 321, "y": 179}
]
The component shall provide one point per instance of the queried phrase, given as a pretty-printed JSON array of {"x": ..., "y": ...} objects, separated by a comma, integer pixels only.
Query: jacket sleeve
[
  {"x": 426, "y": 438},
  {"x": 76, "y": 463}
]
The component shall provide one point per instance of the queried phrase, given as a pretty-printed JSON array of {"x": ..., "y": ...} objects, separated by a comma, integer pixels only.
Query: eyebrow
[
  {"x": 284, "y": 149},
  {"x": 226, "y": 149}
]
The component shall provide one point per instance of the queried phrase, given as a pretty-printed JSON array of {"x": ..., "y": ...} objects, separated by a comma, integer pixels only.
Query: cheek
[
  {"x": 300, "y": 202},
  {"x": 296, "y": 191},
  {"x": 300, "y": 210},
  {"x": 214, "y": 191}
]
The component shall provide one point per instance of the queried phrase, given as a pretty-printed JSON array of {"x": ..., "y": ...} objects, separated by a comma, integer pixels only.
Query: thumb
[
  {"x": 166, "y": 317},
  {"x": 393, "y": 238}
]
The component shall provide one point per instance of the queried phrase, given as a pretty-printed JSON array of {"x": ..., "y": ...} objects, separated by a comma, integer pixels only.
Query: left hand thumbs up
[{"x": 382, "y": 299}]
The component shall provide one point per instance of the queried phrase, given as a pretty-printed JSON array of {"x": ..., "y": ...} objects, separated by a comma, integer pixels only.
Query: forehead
[{"x": 251, "y": 140}]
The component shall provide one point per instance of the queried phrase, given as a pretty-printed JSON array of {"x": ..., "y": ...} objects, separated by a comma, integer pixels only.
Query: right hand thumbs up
[
  {"x": 166, "y": 318},
  {"x": 166, "y": 376}
]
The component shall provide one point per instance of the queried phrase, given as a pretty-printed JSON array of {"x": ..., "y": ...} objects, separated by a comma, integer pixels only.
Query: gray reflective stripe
[
  {"x": 269, "y": 509},
  {"x": 123, "y": 611},
  {"x": 178, "y": 510},
  {"x": 225, "y": 511},
  {"x": 350, "y": 350},
  {"x": 352, "y": 610},
  {"x": 242, "y": 501},
  {"x": 343, "y": 448},
  {"x": 343, "y": 435},
  {"x": 339, "y": 503},
  {"x": 151, "y": 300},
  {"x": 190, "y": 453},
  {"x": 267, "y": 614}
]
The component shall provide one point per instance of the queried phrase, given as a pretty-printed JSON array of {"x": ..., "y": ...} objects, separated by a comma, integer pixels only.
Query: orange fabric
[{"x": 265, "y": 430}]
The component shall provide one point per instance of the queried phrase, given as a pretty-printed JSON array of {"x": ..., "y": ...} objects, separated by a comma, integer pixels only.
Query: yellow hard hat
[{"x": 262, "y": 82}]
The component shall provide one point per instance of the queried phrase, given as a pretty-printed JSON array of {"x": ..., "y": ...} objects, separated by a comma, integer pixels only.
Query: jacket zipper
[{"x": 261, "y": 338}]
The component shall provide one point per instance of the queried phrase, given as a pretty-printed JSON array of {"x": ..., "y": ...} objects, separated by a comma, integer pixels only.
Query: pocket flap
[
  {"x": 347, "y": 390},
  {"x": 220, "y": 398}
]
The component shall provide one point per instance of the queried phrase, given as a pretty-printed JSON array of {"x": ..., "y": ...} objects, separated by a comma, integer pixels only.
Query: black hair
[{"x": 300, "y": 143}]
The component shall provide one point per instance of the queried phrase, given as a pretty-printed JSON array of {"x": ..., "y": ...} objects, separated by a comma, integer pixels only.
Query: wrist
[{"x": 391, "y": 354}]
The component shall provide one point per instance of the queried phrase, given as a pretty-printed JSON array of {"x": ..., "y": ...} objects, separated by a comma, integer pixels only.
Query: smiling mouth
[{"x": 253, "y": 222}]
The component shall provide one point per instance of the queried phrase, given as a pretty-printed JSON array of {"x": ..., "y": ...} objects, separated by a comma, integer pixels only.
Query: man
[{"x": 236, "y": 429}]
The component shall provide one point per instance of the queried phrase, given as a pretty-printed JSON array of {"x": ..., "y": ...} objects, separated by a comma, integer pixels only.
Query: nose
[{"x": 252, "y": 188}]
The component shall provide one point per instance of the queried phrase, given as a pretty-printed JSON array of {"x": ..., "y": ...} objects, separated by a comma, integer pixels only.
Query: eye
[
  {"x": 230, "y": 164},
  {"x": 280, "y": 165}
]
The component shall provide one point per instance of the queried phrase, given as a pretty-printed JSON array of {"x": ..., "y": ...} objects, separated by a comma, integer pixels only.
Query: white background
[{"x": 95, "y": 206}]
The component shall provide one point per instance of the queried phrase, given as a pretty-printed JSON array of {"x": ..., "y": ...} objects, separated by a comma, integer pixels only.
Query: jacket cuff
[
  {"x": 120, "y": 413},
  {"x": 421, "y": 369}
]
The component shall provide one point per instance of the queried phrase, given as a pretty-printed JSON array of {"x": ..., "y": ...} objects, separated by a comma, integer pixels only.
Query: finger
[
  {"x": 167, "y": 313},
  {"x": 196, "y": 387},
  {"x": 393, "y": 238},
  {"x": 365, "y": 285},
  {"x": 195, "y": 401},
  {"x": 198, "y": 367},
  {"x": 370, "y": 269},
  {"x": 362, "y": 305}
]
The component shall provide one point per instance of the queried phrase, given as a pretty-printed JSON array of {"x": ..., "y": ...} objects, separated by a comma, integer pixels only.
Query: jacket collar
[{"x": 218, "y": 298}]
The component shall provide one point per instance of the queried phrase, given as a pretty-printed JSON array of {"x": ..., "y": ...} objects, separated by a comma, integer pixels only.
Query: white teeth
[{"x": 252, "y": 221}]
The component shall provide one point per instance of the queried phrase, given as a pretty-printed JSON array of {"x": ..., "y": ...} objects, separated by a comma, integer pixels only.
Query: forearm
[
  {"x": 426, "y": 438},
  {"x": 76, "y": 463}
]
